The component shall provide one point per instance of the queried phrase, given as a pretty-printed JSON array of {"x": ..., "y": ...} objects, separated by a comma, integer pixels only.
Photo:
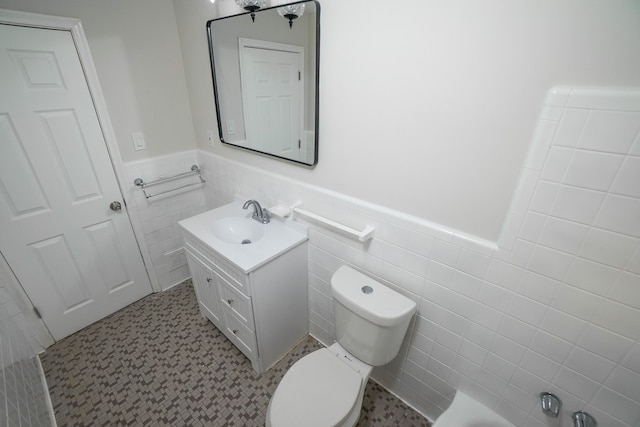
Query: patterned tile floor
[{"x": 158, "y": 362}]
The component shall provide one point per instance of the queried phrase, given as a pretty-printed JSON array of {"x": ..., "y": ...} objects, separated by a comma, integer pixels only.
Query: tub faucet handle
[
  {"x": 550, "y": 404},
  {"x": 582, "y": 419}
]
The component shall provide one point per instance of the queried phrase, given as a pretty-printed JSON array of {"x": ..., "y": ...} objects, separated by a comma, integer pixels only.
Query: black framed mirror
[{"x": 265, "y": 80}]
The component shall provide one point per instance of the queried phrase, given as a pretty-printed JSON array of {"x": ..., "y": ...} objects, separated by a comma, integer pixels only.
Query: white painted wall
[
  {"x": 137, "y": 56},
  {"x": 428, "y": 107}
]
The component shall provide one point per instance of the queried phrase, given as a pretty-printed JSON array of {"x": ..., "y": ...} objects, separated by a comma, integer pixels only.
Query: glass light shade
[
  {"x": 291, "y": 12},
  {"x": 251, "y": 4}
]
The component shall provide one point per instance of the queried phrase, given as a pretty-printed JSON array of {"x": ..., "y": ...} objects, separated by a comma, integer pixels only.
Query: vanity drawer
[
  {"x": 235, "y": 301},
  {"x": 240, "y": 335},
  {"x": 234, "y": 277}
]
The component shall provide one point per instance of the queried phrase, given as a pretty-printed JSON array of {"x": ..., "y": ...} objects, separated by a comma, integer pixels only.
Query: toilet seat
[{"x": 319, "y": 390}]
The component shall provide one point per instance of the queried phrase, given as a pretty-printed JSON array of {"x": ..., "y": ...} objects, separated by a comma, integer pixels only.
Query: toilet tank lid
[{"x": 370, "y": 299}]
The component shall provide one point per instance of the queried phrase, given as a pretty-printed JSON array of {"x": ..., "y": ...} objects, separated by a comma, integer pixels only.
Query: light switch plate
[
  {"x": 210, "y": 137},
  {"x": 231, "y": 127},
  {"x": 138, "y": 141}
]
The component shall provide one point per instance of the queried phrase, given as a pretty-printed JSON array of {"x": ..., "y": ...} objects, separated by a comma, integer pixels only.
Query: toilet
[
  {"x": 467, "y": 412},
  {"x": 325, "y": 388}
]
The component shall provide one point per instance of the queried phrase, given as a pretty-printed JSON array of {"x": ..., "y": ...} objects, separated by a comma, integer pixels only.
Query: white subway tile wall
[
  {"x": 554, "y": 306},
  {"x": 157, "y": 217},
  {"x": 23, "y": 397}
]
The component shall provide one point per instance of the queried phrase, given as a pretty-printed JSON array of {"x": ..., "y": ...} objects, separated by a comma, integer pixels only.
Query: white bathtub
[{"x": 466, "y": 412}]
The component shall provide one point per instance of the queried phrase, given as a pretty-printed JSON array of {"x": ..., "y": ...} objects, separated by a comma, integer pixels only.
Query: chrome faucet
[
  {"x": 550, "y": 404},
  {"x": 582, "y": 419},
  {"x": 260, "y": 214}
]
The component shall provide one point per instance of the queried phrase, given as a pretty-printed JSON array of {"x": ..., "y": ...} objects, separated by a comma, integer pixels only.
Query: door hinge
[
  {"x": 37, "y": 312},
  {"x": 299, "y": 145},
  {"x": 299, "y": 76}
]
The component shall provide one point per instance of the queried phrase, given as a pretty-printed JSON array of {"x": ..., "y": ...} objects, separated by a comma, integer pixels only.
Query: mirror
[{"x": 265, "y": 81}]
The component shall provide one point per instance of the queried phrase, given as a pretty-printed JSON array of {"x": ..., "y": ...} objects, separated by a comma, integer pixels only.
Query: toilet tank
[{"x": 371, "y": 319}]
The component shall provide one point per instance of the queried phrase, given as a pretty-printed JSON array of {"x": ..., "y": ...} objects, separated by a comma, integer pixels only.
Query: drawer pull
[
  {"x": 235, "y": 331},
  {"x": 209, "y": 279},
  {"x": 230, "y": 301}
]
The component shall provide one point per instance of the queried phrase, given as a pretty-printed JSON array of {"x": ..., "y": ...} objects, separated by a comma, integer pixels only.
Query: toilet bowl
[
  {"x": 326, "y": 388},
  {"x": 467, "y": 412},
  {"x": 323, "y": 389}
]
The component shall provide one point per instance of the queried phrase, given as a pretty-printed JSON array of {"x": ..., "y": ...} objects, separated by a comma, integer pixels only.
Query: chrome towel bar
[{"x": 195, "y": 171}]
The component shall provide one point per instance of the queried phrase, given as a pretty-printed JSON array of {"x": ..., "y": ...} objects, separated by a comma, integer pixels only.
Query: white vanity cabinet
[{"x": 263, "y": 311}]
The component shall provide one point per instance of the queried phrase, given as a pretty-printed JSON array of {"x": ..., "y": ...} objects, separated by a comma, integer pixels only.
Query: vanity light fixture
[
  {"x": 290, "y": 11},
  {"x": 251, "y": 6}
]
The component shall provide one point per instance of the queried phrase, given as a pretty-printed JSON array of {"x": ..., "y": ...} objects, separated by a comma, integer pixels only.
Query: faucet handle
[
  {"x": 582, "y": 419},
  {"x": 260, "y": 214},
  {"x": 264, "y": 218},
  {"x": 550, "y": 404}
]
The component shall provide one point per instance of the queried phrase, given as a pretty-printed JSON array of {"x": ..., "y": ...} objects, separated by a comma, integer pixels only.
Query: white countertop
[{"x": 280, "y": 235}]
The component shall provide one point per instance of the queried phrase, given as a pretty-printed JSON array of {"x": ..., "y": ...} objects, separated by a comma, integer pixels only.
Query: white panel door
[
  {"x": 271, "y": 92},
  {"x": 76, "y": 258}
]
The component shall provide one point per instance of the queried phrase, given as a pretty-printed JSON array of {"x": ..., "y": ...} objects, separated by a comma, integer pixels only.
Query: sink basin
[
  {"x": 224, "y": 229},
  {"x": 239, "y": 230}
]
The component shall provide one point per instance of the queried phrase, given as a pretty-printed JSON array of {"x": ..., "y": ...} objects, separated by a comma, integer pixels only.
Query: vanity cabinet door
[{"x": 206, "y": 289}]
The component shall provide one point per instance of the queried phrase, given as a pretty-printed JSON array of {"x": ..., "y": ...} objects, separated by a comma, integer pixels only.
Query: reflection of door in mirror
[
  {"x": 272, "y": 88},
  {"x": 281, "y": 119}
]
